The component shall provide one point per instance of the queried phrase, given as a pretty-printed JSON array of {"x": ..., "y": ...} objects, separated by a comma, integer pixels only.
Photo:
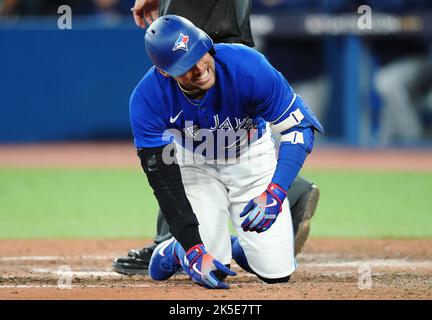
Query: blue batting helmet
[{"x": 175, "y": 45}]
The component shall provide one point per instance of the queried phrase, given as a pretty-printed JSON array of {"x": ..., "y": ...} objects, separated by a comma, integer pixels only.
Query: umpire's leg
[{"x": 162, "y": 229}]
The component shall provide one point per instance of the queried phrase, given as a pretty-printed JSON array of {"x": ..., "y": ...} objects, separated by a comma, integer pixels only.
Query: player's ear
[{"x": 163, "y": 72}]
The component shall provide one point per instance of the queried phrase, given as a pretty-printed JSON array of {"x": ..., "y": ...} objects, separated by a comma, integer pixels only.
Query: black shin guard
[{"x": 274, "y": 281}]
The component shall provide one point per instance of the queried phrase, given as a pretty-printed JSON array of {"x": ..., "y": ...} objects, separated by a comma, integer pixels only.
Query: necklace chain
[
  {"x": 188, "y": 91},
  {"x": 185, "y": 92}
]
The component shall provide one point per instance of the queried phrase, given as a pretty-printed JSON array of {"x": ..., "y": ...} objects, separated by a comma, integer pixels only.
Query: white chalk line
[
  {"x": 55, "y": 258},
  {"x": 126, "y": 286},
  {"x": 373, "y": 263},
  {"x": 107, "y": 273},
  {"x": 51, "y": 286},
  {"x": 304, "y": 260},
  {"x": 79, "y": 274}
]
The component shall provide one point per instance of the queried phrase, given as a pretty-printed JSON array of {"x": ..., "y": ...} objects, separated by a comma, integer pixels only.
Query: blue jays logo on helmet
[
  {"x": 175, "y": 45},
  {"x": 181, "y": 43}
]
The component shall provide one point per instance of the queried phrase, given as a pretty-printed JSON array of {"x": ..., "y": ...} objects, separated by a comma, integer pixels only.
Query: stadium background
[{"x": 68, "y": 168}]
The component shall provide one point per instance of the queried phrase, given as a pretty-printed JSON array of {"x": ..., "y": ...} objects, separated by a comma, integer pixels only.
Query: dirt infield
[
  {"x": 327, "y": 269},
  {"x": 122, "y": 154}
]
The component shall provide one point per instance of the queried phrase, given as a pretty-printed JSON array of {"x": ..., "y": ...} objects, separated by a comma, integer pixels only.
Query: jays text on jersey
[{"x": 248, "y": 92}]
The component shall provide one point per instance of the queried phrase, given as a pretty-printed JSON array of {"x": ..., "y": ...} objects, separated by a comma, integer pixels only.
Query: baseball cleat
[
  {"x": 146, "y": 251},
  {"x": 136, "y": 263},
  {"x": 164, "y": 263},
  {"x": 302, "y": 214}
]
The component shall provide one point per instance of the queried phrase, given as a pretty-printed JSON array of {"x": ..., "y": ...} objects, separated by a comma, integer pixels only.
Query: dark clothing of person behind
[{"x": 223, "y": 20}]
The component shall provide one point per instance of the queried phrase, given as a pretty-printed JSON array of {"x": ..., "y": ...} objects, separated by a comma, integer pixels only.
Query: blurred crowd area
[
  {"x": 50, "y": 7},
  {"x": 393, "y": 72},
  {"x": 88, "y": 7},
  {"x": 393, "y": 85},
  {"x": 336, "y": 6}
]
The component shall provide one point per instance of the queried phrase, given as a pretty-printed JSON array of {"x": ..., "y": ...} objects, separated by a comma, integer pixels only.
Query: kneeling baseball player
[{"x": 202, "y": 119}]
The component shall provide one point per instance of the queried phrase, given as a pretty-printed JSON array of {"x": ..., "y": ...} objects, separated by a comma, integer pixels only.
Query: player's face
[{"x": 200, "y": 76}]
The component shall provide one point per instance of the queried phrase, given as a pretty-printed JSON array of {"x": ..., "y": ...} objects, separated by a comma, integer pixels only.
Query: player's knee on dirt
[
  {"x": 274, "y": 281},
  {"x": 239, "y": 256}
]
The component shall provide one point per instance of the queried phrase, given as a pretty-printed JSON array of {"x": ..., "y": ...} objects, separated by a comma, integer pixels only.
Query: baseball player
[
  {"x": 224, "y": 21},
  {"x": 202, "y": 119}
]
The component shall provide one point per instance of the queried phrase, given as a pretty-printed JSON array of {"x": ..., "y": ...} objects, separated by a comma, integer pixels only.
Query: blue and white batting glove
[
  {"x": 201, "y": 267},
  {"x": 262, "y": 211}
]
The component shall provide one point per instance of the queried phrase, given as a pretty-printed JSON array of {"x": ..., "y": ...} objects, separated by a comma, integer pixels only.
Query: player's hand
[
  {"x": 201, "y": 267},
  {"x": 262, "y": 211},
  {"x": 145, "y": 10}
]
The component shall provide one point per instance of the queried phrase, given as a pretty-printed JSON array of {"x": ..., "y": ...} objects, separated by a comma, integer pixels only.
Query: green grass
[
  {"x": 118, "y": 203},
  {"x": 373, "y": 204},
  {"x": 76, "y": 203}
]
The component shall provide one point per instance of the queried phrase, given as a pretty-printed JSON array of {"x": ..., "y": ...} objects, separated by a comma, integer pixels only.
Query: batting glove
[
  {"x": 262, "y": 211},
  {"x": 201, "y": 267}
]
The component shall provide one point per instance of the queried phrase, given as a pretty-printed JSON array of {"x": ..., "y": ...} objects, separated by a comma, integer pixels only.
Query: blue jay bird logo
[{"x": 181, "y": 43}]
